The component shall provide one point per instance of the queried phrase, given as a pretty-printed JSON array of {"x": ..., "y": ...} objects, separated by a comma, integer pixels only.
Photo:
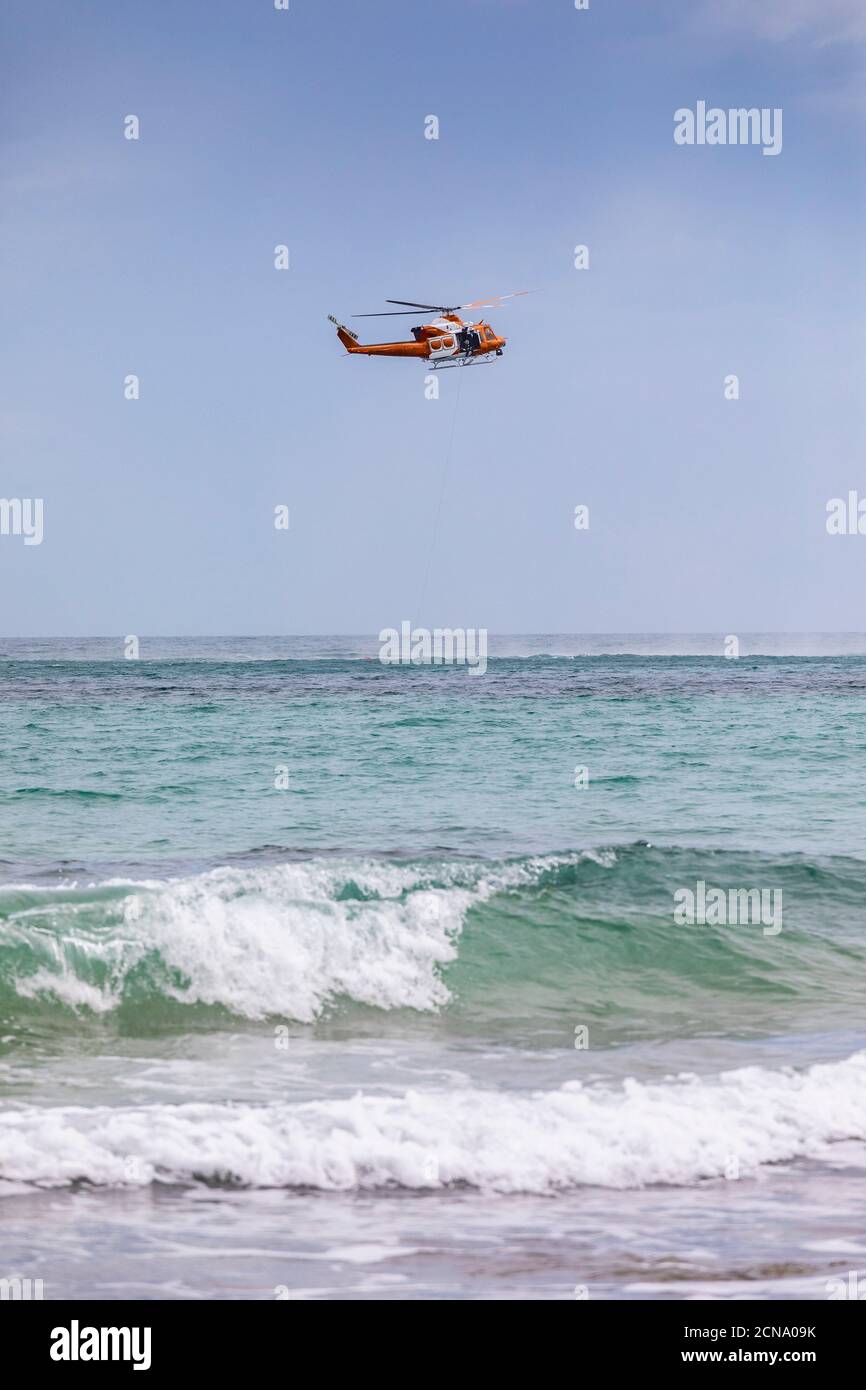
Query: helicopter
[{"x": 445, "y": 341}]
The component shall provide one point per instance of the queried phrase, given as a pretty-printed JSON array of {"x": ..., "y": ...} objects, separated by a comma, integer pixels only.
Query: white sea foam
[
  {"x": 279, "y": 940},
  {"x": 677, "y": 1131},
  {"x": 68, "y": 988},
  {"x": 283, "y": 941}
]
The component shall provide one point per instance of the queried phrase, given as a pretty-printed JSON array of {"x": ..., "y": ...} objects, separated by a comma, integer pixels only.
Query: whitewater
[{"x": 423, "y": 1022}]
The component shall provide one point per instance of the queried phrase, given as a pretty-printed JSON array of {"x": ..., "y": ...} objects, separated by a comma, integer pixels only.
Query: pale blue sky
[{"x": 260, "y": 127}]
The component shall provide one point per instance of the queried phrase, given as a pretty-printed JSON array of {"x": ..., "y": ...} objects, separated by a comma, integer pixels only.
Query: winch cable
[{"x": 446, "y": 466}]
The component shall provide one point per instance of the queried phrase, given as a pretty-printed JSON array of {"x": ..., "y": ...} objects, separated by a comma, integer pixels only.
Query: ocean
[{"x": 321, "y": 978}]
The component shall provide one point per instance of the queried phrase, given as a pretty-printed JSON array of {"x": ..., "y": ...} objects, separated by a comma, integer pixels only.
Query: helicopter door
[{"x": 446, "y": 346}]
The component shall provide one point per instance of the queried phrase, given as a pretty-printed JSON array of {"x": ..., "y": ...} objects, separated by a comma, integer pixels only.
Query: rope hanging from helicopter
[{"x": 446, "y": 468}]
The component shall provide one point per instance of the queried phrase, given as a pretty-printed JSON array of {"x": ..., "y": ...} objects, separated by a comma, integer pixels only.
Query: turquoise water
[{"x": 282, "y": 927}]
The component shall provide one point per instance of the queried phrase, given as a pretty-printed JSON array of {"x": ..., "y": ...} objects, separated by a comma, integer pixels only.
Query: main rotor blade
[
  {"x": 390, "y": 314},
  {"x": 493, "y": 301},
  {"x": 490, "y": 302},
  {"x": 413, "y": 305}
]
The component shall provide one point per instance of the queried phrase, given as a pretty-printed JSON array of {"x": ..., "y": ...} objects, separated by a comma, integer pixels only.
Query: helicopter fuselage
[{"x": 443, "y": 339}]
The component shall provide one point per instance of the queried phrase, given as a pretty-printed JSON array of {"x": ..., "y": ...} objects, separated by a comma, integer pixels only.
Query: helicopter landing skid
[{"x": 463, "y": 360}]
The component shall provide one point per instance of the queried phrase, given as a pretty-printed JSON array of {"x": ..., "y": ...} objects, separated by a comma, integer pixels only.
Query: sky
[{"x": 306, "y": 128}]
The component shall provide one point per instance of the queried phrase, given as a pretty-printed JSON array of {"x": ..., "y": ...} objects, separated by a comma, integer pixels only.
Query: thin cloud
[{"x": 780, "y": 21}]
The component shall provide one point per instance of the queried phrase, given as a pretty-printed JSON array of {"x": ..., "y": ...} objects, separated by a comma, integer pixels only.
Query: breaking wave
[
  {"x": 587, "y": 931},
  {"x": 678, "y": 1131}
]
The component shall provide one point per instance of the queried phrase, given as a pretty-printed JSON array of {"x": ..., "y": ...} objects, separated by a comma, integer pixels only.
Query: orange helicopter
[{"x": 445, "y": 341}]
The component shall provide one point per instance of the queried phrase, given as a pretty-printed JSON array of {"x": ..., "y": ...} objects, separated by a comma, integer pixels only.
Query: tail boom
[{"x": 351, "y": 344}]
